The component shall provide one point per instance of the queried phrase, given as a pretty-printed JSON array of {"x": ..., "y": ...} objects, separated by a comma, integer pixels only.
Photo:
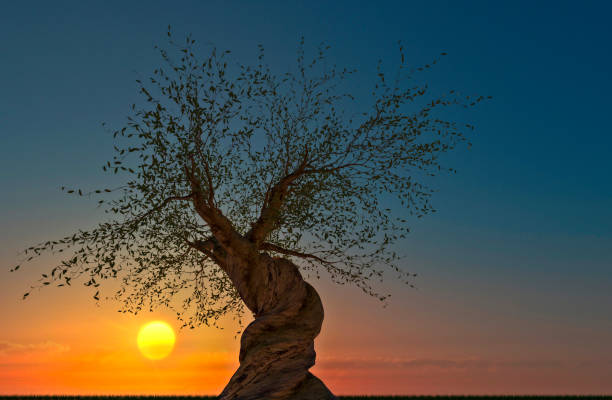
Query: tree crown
[{"x": 284, "y": 159}]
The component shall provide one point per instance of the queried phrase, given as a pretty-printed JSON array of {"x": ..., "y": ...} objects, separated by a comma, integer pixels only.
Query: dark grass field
[{"x": 467, "y": 397}]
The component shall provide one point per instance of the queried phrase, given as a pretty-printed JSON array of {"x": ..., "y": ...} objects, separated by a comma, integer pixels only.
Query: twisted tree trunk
[{"x": 277, "y": 348}]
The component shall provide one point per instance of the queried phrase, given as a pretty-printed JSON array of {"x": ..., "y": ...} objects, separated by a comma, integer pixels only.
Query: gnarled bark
[{"x": 277, "y": 348}]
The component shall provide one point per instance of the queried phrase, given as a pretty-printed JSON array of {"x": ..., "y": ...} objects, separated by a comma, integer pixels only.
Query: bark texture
[{"x": 277, "y": 348}]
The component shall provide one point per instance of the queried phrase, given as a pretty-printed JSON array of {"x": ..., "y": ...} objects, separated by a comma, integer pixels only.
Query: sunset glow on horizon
[{"x": 512, "y": 274}]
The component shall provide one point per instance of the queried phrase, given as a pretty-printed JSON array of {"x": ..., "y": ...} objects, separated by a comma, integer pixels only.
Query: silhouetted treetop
[{"x": 298, "y": 163}]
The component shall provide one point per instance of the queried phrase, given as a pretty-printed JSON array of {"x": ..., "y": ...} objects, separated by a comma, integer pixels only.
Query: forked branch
[
  {"x": 211, "y": 248},
  {"x": 275, "y": 196}
]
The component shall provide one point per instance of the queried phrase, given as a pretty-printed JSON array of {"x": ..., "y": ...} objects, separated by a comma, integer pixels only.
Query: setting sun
[{"x": 156, "y": 340}]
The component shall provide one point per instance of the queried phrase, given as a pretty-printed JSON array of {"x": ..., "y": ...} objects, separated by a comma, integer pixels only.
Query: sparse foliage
[{"x": 287, "y": 158}]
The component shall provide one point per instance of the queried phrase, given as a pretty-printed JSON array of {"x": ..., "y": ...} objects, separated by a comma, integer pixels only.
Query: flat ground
[{"x": 509, "y": 397}]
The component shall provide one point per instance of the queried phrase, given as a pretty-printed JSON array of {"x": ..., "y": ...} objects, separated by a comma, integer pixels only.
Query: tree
[{"x": 239, "y": 179}]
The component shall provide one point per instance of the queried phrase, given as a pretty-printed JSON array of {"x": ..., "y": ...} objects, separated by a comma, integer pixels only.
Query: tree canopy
[{"x": 293, "y": 161}]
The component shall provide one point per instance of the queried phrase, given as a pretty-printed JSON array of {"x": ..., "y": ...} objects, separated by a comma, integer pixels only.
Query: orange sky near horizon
[{"x": 59, "y": 341}]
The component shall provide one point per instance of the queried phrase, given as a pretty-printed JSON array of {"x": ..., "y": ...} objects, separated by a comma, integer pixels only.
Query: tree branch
[
  {"x": 328, "y": 168},
  {"x": 273, "y": 201},
  {"x": 221, "y": 227},
  {"x": 163, "y": 204},
  {"x": 211, "y": 248},
  {"x": 282, "y": 250},
  {"x": 211, "y": 191}
]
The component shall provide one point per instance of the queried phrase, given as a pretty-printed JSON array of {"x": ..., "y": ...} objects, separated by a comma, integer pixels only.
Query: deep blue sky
[
  {"x": 525, "y": 226},
  {"x": 539, "y": 164}
]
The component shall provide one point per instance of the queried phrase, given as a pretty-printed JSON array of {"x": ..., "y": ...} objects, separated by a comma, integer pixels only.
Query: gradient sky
[{"x": 514, "y": 269}]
